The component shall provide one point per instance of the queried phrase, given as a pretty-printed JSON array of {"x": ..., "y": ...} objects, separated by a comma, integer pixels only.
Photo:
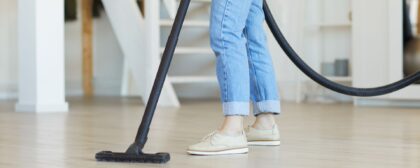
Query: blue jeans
[{"x": 244, "y": 67}]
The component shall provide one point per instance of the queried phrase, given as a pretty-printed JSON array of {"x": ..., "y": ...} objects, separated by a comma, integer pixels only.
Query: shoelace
[
  {"x": 209, "y": 135},
  {"x": 247, "y": 128}
]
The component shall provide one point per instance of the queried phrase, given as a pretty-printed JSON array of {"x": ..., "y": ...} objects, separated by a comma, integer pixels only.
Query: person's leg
[
  {"x": 228, "y": 20},
  {"x": 264, "y": 92}
]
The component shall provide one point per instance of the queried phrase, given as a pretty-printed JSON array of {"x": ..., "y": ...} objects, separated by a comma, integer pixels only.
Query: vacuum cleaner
[{"x": 135, "y": 152}]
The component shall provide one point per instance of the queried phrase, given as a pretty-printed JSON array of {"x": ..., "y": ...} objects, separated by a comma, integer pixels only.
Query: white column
[{"x": 41, "y": 56}]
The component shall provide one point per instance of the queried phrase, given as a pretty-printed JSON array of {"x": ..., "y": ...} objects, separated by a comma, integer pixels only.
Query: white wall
[{"x": 8, "y": 51}]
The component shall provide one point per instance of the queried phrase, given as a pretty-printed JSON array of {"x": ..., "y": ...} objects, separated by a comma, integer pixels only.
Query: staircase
[
  {"x": 137, "y": 36},
  {"x": 140, "y": 41}
]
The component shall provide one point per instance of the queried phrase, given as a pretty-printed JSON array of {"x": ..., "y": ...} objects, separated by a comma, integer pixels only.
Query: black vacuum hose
[{"x": 307, "y": 70}]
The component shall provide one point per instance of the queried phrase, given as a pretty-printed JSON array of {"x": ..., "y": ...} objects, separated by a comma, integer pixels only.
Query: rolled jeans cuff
[
  {"x": 268, "y": 106},
  {"x": 236, "y": 108}
]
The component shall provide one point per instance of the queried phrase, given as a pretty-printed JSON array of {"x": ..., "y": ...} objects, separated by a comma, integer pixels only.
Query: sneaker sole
[
  {"x": 264, "y": 143},
  {"x": 225, "y": 152}
]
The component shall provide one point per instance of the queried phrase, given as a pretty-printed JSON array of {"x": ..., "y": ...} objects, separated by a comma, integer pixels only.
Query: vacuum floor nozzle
[{"x": 128, "y": 157}]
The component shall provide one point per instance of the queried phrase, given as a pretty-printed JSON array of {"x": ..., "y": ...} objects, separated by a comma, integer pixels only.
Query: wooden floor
[{"x": 313, "y": 136}]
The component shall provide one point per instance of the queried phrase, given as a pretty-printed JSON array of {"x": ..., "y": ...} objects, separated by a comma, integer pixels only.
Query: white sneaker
[
  {"x": 258, "y": 137},
  {"x": 219, "y": 144}
]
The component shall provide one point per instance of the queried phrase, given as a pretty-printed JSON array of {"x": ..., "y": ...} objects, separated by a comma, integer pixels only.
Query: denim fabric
[{"x": 243, "y": 63}]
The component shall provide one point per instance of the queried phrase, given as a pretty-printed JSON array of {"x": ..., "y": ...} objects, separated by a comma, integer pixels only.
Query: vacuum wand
[{"x": 134, "y": 153}]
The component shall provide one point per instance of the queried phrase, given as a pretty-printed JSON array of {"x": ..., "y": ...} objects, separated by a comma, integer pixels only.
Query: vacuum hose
[{"x": 307, "y": 70}]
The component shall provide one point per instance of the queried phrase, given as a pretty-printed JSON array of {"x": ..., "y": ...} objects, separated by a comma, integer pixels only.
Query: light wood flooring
[{"x": 313, "y": 136}]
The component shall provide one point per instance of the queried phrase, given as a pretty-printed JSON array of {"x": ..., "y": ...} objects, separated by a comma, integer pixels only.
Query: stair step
[
  {"x": 192, "y": 79},
  {"x": 191, "y": 50},
  {"x": 189, "y": 23}
]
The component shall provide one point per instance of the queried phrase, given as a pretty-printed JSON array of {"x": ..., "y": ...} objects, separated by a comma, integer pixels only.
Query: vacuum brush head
[{"x": 130, "y": 157}]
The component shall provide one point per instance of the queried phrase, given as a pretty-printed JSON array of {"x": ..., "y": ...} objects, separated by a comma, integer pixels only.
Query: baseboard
[
  {"x": 387, "y": 103},
  {"x": 8, "y": 90},
  {"x": 42, "y": 108},
  {"x": 102, "y": 87}
]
